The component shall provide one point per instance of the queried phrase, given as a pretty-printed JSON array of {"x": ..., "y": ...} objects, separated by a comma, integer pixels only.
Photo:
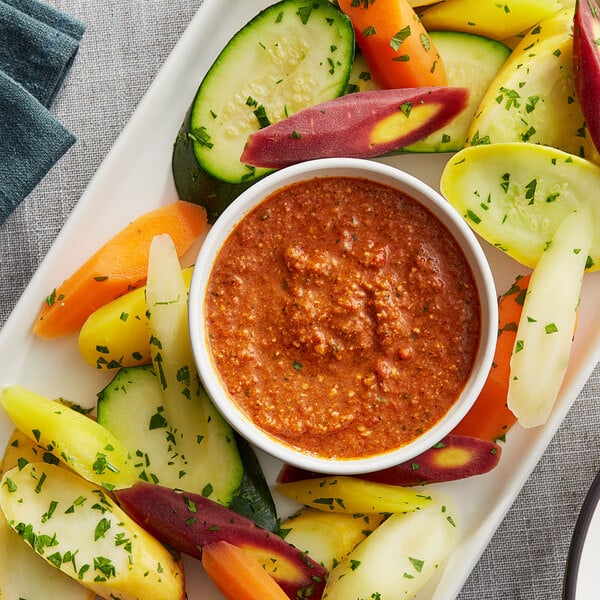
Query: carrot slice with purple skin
[
  {"x": 360, "y": 125},
  {"x": 454, "y": 457},
  {"x": 586, "y": 63},
  {"x": 190, "y": 522}
]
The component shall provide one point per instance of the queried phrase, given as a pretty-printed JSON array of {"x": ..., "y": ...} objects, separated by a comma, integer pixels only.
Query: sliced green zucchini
[
  {"x": 253, "y": 498},
  {"x": 194, "y": 184},
  {"x": 360, "y": 79},
  {"x": 131, "y": 408},
  {"x": 292, "y": 55},
  {"x": 471, "y": 61}
]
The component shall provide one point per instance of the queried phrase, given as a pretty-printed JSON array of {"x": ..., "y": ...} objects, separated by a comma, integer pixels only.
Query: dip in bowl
[{"x": 343, "y": 317}]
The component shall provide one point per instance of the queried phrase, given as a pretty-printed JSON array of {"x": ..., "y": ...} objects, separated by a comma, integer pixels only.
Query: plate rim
[{"x": 590, "y": 505}]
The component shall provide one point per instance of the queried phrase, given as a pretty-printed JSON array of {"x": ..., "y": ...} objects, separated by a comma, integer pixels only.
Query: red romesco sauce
[{"x": 343, "y": 317}]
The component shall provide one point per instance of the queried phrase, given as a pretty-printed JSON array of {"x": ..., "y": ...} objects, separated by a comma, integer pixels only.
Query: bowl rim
[{"x": 435, "y": 203}]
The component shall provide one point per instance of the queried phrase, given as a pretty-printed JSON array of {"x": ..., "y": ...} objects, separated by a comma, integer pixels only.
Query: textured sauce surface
[{"x": 343, "y": 317}]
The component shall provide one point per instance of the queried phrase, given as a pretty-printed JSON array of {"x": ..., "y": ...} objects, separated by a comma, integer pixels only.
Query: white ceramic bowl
[{"x": 394, "y": 178}]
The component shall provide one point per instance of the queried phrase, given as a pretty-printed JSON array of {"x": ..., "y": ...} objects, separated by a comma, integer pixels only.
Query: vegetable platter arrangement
[{"x": 93, "y": 492}]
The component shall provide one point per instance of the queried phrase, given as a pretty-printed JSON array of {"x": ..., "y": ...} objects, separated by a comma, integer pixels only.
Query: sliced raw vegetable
[
  {"x": 77, "y": 528},
  {"x": 544, "y": 337},
  {"x": 586, "y": 63},
  {"x": 360, "y": 79},
  {"x": 419, "y": 3},
  {"x": 131, "y": 407},
  {"x": 515, "y": 195},
  {"x": 395, "y": 44},
  {"x": 253, "y": 498},
  {"x": 238, "y": 575},
  {"x": 490, "y": 418},
  {"x": 328, "y": 537},
  {"x": 454, "y": 457},
  {"x": 188, "y": 522},
  {"x": 78, "y": 441},
  {"x": 196, "y": 430},
  {"x": 360, "y": 125},
  {"x": 533, "y": 99},
  {"x": 195, "y": 184},
  {"x": 21, "y": 449},
  {"x": 398, "y": 558},
  {"x": 497, "y": 20},
  {"x": 116, "y": 334},
  {"x": 472, "y": 61},
  {"x": 290, "y": 56},
  {"x": 352, "y": 495},
  {"x": 25, "y": 574},
  {"x": 116, "y": 268}
]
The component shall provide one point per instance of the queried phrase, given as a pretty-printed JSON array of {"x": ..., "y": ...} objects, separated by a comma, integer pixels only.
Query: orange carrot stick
[
  {"x": 238, "y": 575},
  {"x": 395, "y": 44},
  {"x": 118, "y": 267},
  {"x": 490, "y": 418}
]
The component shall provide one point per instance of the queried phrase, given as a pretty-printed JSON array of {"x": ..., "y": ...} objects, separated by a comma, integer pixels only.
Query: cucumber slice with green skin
[
  {"x": 131, "y": 408},
  {"x": 194, "y": 184},
  {"x": 471, "y": 61},
  {"x": 360, "y": 79},
  {"x": 293, "y": 54},
  {"x": 253, "y": 498}
]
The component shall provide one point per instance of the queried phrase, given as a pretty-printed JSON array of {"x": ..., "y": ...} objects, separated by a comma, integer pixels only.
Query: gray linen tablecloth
[{"x": 125, "y": 43}]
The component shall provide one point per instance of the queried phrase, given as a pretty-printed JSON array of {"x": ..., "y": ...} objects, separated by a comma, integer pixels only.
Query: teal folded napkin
[
  {"x": 39, "y": 44},
  {"x": 49, "y": 15},
  {"x": 31, "y": 142}
]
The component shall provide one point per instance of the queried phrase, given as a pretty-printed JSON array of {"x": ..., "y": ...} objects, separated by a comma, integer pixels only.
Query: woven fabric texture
[{"x": 39, "y": 44}]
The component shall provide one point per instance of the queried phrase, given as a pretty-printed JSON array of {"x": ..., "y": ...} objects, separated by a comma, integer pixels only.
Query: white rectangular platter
[{"x": 136, "y": 177}]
